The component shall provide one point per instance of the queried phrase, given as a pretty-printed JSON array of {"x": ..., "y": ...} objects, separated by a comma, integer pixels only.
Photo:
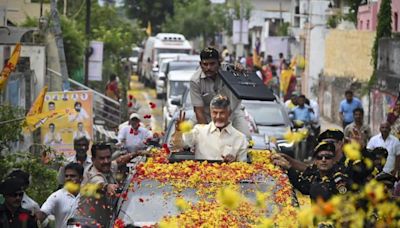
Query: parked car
[
  {"x": 134, "y": 59},
  {"x": 272, "y": 121},
  {"x": 177, "y": 80},
  {"x": 177, "y": 83}
]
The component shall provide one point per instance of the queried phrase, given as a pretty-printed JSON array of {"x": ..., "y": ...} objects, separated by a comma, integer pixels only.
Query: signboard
[
  {"x": 240, "y": 31},
  {"x": 60, "y": 133},
  {"x": 96, "y": 61}
]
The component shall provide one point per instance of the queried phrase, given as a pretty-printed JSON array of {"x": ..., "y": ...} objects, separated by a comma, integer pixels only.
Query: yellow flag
[
  {"x": 35, "y": 121},
  {"x": 37, "y": 106},
  {"x": 148, "y": 29},
  {"x": 10, "y": 66},
  {"x": 256, "y": 59}
]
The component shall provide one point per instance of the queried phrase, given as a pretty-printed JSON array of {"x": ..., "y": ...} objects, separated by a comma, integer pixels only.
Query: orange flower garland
[{"x": 218, "y": 207}]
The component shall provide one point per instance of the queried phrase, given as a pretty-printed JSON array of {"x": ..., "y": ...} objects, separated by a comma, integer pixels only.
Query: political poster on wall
[{"x": 60, "y": 133}]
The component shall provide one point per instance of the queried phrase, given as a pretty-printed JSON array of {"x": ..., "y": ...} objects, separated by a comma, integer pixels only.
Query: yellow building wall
[{"x": 348, "y": 54}]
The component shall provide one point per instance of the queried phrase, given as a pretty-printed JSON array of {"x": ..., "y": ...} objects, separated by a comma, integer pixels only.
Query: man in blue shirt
[
  {"x": 302, "y": 112},
  {"x": 347, "y": 107}
]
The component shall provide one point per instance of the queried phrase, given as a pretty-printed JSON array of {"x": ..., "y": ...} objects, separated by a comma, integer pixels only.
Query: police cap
[
  {"x": 380, "y": 152},
  {"x": 209, "y": 53},
  {"x": 324, "y": 146},
  {"x": 331, "y": 134},
  {"x": 11, "y": 185}
]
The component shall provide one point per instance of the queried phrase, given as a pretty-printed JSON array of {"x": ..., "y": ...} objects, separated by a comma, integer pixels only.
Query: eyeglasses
[
  {"x": 16, "y": 194},
  {"x": 326, "y": 156}
]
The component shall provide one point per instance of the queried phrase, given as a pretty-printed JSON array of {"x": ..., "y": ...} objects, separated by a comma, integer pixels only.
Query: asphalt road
[{"x": 144, "y": 96}]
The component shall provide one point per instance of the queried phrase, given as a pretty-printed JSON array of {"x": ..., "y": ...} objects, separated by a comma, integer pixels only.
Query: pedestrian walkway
[{"x": 326, "y": 124}]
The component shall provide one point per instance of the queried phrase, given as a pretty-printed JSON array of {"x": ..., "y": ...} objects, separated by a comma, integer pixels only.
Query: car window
[
  {"x": 266, "y": 114},
  {"x": 178, "y": 87}
]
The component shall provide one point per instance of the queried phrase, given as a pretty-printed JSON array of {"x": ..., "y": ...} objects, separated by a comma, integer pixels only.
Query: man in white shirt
[
  {"x": 134, "y": 136},
  {"x": 218, "y": 140},
  {"x": 388, "y": 141},
  {"x": 62, "y": 203},
  {"x": 81, "y": 147}
]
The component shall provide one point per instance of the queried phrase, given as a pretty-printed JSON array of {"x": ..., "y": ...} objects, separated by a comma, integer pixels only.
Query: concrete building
[
  {"x": 367, "y": 18},
  {"x": 266, "y": 17},
  {"x": 386, "y": 91},
  {"x": 18, "y": 10}
]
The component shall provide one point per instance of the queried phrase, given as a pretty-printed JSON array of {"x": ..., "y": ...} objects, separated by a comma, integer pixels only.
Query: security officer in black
[
  {"x": 323, "y": 179},
  {"x": 11, "y": 213},
  {"x": 357, "y": 170}
]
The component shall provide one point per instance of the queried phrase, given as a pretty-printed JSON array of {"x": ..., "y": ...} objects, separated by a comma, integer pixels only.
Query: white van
[{"x": 161, "y": 43}]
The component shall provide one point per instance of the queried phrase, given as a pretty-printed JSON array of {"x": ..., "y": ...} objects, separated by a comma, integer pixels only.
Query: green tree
[
  {"x": 353, "y": 11},
  {"x": 199, "y": 18},
  {"x": 43, "y": 176},
  {"x": 383, "y": 29},
  {"x": 74, "y": 47},
  {"x": 145, "y": 11},
  {"x": 10, "y": 130}
]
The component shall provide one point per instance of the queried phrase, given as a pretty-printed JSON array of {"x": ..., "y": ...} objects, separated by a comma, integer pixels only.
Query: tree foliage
[
  {"x": 73, "y": 45},
  {"x": 43, "y": 176},
  {"x": 154, "y": 11},
  {"x": 201, "y": 18},
  {"x": 383, "y": 29},
  {"x": 353, "y": 11},
  {"x": 11, "y": 131}
]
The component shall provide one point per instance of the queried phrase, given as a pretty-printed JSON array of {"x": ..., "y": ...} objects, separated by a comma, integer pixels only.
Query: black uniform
[
  {"x": 16, "y": 219},
  {"x": 311, "y": 183}
]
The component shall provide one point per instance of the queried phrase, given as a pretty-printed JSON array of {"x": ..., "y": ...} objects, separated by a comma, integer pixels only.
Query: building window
[
  {"x": 367, "y": 24},
  {"x": 396, "y": 22}
]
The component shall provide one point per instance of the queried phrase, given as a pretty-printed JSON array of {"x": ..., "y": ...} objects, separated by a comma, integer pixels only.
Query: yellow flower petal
[{"x": 185, "y": 126}]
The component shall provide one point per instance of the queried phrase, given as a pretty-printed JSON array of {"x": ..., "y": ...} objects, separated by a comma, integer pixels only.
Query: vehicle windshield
[
  {"x": 266, "y": 114},
  {"x": 157, "y": 204},
  {"x": 163, "y": 66},
  {"x": 183, "y": 65},
  {"x": 135, "y": 53},
  {"x": 177, "y": 88}
]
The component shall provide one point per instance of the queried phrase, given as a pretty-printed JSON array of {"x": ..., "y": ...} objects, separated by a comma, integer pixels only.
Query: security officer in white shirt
[
  {"x": 134, "y": 136},
  {"x": 62, "y": 203},
  {"x": 392, "y": 145}
]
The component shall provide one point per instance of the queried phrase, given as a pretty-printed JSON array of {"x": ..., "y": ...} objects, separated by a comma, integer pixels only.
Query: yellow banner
[
  {"x": 37, "y": 106},
  {"x": 10, "y": 66},
  {"x": 60, "y": 133}
]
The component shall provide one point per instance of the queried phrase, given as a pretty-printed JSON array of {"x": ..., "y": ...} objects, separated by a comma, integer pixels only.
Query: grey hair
[{"x": 220, "y": 101}]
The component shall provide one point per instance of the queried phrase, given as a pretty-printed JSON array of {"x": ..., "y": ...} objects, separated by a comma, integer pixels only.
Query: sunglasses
[
  {"x": 16, "y": 194},
  {"x": 326, "y": 156}
]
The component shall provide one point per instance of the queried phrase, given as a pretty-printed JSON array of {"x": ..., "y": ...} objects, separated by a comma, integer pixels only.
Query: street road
[{"x": 144, "y": 96}]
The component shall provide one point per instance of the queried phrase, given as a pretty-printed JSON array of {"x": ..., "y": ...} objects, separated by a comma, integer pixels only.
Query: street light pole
[{"x": 87, "y": 51}]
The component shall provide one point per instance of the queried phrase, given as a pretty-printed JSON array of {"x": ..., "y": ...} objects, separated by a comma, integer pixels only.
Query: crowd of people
[{"x": 221, "y": 133}]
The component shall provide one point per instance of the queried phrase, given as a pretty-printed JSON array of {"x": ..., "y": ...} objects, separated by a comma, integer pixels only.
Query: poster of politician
[{"x": 60, "y": 133}]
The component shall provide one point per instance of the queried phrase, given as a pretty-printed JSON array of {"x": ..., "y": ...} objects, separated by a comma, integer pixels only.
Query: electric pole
[{"x": 60, "y": 45}]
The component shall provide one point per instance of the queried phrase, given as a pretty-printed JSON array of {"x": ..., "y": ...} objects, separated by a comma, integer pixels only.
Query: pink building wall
[{"x": 367, "y": 18}]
